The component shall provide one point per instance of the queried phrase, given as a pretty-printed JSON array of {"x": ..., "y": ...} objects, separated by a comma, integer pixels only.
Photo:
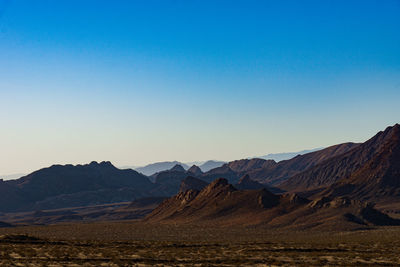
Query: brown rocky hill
[
  {"x": 221, "y": 203},
  {"x": 370, "y": 170},
  {"x": 218, "y": 199}
]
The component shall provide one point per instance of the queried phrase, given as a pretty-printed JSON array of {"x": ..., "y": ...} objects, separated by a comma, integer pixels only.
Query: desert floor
[{"x": 137, "y": 244}]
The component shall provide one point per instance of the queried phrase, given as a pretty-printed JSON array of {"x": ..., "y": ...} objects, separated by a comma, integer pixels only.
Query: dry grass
[{"x": 135, "y": 243}]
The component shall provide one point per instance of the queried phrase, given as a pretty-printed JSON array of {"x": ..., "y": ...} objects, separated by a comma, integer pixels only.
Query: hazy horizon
[
  {"x": 147, "y": 81},
  {"x": 10, "y": 176}
]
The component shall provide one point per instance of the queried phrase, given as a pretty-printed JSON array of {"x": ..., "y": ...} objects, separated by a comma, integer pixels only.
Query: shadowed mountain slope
[
  {"x": 371, "y": 170},
  {"x": 271, "y": 173},
  {"x": 234, "y": 170},
  {"x": 192, "y": 183},
  {"x": 11, "y": 197},
  {"x": 285, "y": 169},
  {"x": 167, "y": 182},
  {"x": 245, "y": 183},
  {"x": 378, "y": 179}
]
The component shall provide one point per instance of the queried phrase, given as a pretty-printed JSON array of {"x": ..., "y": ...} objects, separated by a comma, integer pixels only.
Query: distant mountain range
[
  {"x": 166, "y": 165},
  {"x": 334, "y": 187},
  {"x": 159, "y": 167},
  {"x": 289, "y": 155},
  {"x": 206, "y": 166}
]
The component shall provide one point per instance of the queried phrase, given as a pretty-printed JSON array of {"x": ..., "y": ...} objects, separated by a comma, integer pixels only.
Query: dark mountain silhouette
[
  {"x": 195, "y": 170},
  {"x": 221, "y": 203},
  {"x": 178, "y": 168},
  {"x": 224, "y": 171},
  {"x": 369, "y": 171},
  {"x": 153, "y": 168},
  {"x": 168, "y": 182},
  {"x": 66, "y": 185},
  {"x": 245, "y": 183},
  {"x": 11, "y": 197},
  {"x": 192, "y": 183}
]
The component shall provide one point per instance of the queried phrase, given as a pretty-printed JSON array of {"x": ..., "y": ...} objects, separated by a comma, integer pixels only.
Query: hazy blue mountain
[
  {"x": 153, "y": 168},
  {"x": 288, "y": 155},
  {"x": 211, "y": 164}
]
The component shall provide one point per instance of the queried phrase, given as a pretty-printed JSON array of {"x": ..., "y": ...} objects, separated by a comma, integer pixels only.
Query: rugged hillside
[
  {"x": 271, "y": 173},
  {"x": 378, "y": 179},
  {"x": 283, "y": 170},
  {"x": 371, "y": 167},
  {"x": 222, "y": 204},
  {"x": 217, "y": 200},
  {"x": 66, "y": 185}
]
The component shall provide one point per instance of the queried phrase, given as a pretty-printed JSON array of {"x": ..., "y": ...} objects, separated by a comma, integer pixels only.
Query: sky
[{"x": 134, "y": 82}]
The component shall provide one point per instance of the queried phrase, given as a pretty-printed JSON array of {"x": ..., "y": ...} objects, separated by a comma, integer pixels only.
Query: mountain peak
[
  {"x": 177, "y": 168},
  {"x": 195, "y": 170},
  {"x": 217, "y": 186}
]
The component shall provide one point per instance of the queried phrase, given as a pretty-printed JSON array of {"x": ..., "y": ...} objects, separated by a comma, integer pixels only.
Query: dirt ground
[{"x": 138, "y": 244}]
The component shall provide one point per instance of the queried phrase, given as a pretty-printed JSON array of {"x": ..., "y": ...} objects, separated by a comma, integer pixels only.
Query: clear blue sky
[{"x": 140, "y": 81}]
